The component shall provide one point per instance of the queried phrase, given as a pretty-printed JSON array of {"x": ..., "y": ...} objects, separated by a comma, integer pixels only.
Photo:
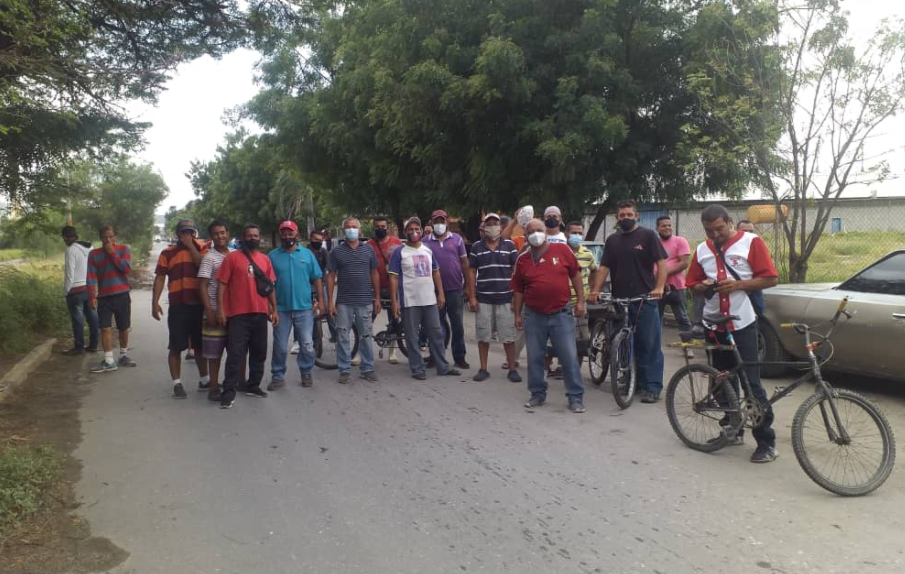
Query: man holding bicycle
[
  {"x": 724, "y": 269},
  {"x": 384, "y": 244},
  {"x": 629, "y": 257}
]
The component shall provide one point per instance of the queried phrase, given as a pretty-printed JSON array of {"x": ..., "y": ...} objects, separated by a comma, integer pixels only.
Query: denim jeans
[
  {"x": 676, "y": 301},
  {"x": 302, "y": 322},
  {"x": 559, "y": 329},
  {"x": 648, "y": 353},
  {"x": 746, "y": 341},
  {"x": 362, "y": 316},
  {"x": 426, "y": 319},
  {"x": 455, "y": 310},
  {"x": 79, "y": 312}
]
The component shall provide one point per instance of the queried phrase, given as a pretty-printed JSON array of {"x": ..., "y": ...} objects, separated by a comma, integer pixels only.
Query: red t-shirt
[
  {"x": 384, "y": 252},
  {"x": 545, "y": 282},
  {"x": 241, "y": 293}
]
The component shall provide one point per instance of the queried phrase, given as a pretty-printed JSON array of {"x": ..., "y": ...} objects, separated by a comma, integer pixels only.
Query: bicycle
[
  {"x": 326, "y": 348},
  {"x": 393, "y": 337},
  {"x": 615, "y": 349},
  {"x": 848, "y": 427}
]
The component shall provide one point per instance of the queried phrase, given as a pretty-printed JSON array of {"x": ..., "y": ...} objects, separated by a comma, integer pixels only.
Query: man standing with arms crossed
[
  {"x": 247, "y": 312},
  {"x": 213, "y": 336},
  {"x": 384, "y": 245},
  {"x": 629, "y": 256},
  {"x": 295, "y": 269},
  {"x": 450, "y": 254},
  {"x": 177, "y": 267},
  {"x": 108, "y": 292},
  {"x": 353, "y": 266},
  {"x": 75, "y": 289}
]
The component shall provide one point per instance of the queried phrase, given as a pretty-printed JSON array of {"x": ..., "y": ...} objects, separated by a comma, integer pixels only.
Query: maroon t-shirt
[{"x": 545, "y": 282}]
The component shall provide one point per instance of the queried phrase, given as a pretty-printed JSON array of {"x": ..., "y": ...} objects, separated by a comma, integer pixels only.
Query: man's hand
[
  {"x": 318, "y": 310},
  {"x": 377, "y": 307},
  {"x": 211, "y": 319},
  {"x": 221, "y": 318},
  {"x": 702, "y": 286},
  {"x": 332, "y": 309},
  {"x": 274, "y": 317},
  {"x": 396, "y": 310},
  {"x": 441, "y": 300},
  {"x": 92, "y": 303},
  {"x": 728, "y": 286},
  {"x": 593, "y": 297},
  {"x": 579, "y": 309},
  {"x": 518, "y": 321},
  {"x": 187, "y": 239},
  {"x": 156, "y": 310},
  {"x": 108, "y": 247},
  {"x": 473, "y": 304},
  {"x": 656, "y": 293}
]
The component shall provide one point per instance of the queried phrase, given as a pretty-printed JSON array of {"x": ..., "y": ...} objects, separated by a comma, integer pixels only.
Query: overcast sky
[{"x": 188, "y": 119}]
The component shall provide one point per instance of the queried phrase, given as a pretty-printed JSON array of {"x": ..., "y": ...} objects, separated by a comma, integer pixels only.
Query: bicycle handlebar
[{"x": 609, "y": 297}]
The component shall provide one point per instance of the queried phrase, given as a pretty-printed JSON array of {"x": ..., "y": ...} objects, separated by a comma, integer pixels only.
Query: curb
[{"x": 18, "y": 374}]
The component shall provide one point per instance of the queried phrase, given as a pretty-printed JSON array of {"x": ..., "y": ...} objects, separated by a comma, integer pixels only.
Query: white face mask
[
  {"x": 492, "y": 232},
  {"x": 439, "y": 229},
  {"x": 537, "y": 238}
]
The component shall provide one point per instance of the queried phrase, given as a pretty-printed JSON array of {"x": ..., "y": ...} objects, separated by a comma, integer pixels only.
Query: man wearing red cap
[
  {"x": 296, "y": 270},
  {"x": 450, "y": 254}
]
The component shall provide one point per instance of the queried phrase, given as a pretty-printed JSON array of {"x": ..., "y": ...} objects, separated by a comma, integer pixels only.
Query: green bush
[
  {"x": 25, "y": 476},
  {"x": 32, "y": 306}
]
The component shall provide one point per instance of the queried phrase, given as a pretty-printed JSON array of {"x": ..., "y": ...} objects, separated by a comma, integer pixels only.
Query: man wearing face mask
[
  {"x": 353, "y": 272},
  {"x": 492, "y": 260},
  {"x": 452, "y": 258},
  {"x": 553, "y": 223},
  {"x": 629, "y": 257},
  {"x": 588, "y": 263},
  {"x": 540, "y": 286},
  {"x": 384, "y": 244},
  {"x": 296, "y": 270},
  {"x": 416, "y": 292}
]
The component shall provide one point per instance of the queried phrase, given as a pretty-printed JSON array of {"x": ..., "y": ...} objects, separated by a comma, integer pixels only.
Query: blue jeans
[
  {"x": 455, "y": 310},
  {"x": 302, "y": 322},
  {"x": 362, "y": 316},
  {"x": 79, "y": 312},
  {"x": 648, "y": 353},
  {"x": 559, "y": 329},
  {"x": 424, "y": 319}
]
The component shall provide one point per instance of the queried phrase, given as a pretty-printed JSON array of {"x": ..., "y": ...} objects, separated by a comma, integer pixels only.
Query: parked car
[{"x": 871, "y": 343}]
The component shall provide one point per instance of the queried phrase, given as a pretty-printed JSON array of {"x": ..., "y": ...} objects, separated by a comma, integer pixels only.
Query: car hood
[{"x": 800, "y": 287}]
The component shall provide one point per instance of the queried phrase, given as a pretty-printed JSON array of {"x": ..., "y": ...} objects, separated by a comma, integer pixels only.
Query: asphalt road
[{"x": 449, "y": 475}]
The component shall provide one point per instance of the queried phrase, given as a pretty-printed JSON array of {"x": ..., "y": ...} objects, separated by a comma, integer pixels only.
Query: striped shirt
[
  {"x": 588, "y": 264},
  {"x": 182, "y": 274},
  {"x": 210, "y": 264},
  {"x": 494, "y": 270},
  {"x": 353, "y": 273},
  {"x": 107, "y": 274}
]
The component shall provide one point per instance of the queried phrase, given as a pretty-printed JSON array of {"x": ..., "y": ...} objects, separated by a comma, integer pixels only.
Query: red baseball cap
[
  {"x": 290, "y": 224},
  {"x": 439, "y": 213}
]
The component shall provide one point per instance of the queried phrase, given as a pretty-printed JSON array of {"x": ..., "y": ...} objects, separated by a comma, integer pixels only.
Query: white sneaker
[
  {"x": 393, "y": 359},
  {"x": 295, "y": 349}
]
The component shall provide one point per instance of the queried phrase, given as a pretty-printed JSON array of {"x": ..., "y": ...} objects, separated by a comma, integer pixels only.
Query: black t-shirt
[{"x": 630, "y": 258}]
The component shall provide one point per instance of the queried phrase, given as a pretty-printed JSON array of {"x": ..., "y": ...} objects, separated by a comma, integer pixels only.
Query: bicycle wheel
[
  {"x": 597, "y": 354},
  {"x": 326, "y": 346},
  {"x": 622, "y": 370},
  {"x": 699, "y": 403},
  {"x": 852, "y": 468}
]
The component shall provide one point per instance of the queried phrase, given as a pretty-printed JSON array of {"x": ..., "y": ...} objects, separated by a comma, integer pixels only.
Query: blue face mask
[
  {"x": 575, "y": 240},
  {"x": 351, "y": 234}
]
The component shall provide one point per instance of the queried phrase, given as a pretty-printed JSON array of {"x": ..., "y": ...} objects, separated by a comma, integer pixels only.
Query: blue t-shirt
[
  {"x": 295, "y": 271},
  {"x": 353, "y": 273}
]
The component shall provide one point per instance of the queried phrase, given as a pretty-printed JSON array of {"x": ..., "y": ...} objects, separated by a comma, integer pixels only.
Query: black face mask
[
  {"x": 551, "y": 223},
  {"x": 381, "y": 233},
  {"x": 251, "y": 244},
  {"x": 287, "y": 243},
  {"x": 315, "y": 245},
  {"x": 626, "y": 224}
]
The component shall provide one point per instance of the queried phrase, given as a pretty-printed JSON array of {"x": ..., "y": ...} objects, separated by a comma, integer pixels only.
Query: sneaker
[
  {"x": 463, "y": 364},
  {"x": 764, "y": 454},
  {"x": 276, "y": 384},
  {"x": 295, "y": 349},
  {"x": 125, "y": 361},
  {"x": 202, "y": 387},
  {"x": 74, "y": 352},
  {"x": 452, "y": 373},
  {"x": 178, "y": 391},
  {"x": 369, "y": 376},
  {"x": 104, "y": 367},
  {"x": 420, "y": 376},
  {"x": 255, "y": 392},
  {"x": 343, "y": 379},
  {"x": 393, "y": 359},
  {"x": 576, "y": 406},
  {"x": 481, "y": 375},
  {"x": 213, "y": 395},
  {"x": 227, "y": 399},
  {"x": 190, "y": 356},
  {"x": 535, "y": 401},
  {"x": 91, "y": 350},
  {"x": 306, "y": 381},
  {"x": 649, "y": 398},
  {"x": 356, "y": 361},
  {"x": 514, "y": 377}
]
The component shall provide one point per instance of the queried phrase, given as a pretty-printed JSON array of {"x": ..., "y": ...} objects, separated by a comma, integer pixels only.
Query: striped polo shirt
[
  {"x": 494, "y": 270},
  {"x": 107, "y": 274},
  {"x": 353, "y": 273},
  {"x": 182, "y": 274},
  {"x": 588, "y": 263}
]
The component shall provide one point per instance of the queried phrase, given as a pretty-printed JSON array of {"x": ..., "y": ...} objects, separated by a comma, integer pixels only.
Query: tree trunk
[{"x": 599, "y": 219}]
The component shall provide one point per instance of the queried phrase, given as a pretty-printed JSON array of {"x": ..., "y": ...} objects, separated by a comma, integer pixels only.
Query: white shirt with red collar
[{"x": 749, "y": 257}]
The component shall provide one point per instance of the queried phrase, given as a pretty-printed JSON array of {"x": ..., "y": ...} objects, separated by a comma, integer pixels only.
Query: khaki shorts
[{"x": 499, "y": 318}]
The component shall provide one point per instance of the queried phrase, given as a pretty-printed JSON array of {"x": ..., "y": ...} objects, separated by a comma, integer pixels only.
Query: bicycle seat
[{"x": 720, "y": 320}]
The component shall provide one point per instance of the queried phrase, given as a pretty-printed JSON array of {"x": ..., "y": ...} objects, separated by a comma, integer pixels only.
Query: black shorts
[
  {"x": 184, "y": 322},
  {"x": 118, "y": 306}
]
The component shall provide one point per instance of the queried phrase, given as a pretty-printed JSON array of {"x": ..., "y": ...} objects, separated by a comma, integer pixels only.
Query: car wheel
[{"x": 770, "y": 350}]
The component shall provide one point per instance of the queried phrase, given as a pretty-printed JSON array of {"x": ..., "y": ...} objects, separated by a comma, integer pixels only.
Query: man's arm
[
  {"x": 579, "y": 294},
  {"x": 272, "y": 308},
  {"x": 124, "y": 263},
  {"x": 438, "y": 285},
  {"x": 394, "y": 294},
  {"x": 729, "y": 285},
  {"x": 221, "y": 299},
  {"x": 375, "y": 282},
  {"x": 506, "y": 233},
  {"x": 159, "y": 283},
  {"x": 597, "y": 286},
  {"x": 662, "y": 274},
  {"x": 91, "y": 283},
  {"x": 518, "y": 301},
  {"x": 682, "y": 265},
  {"x": 466, "y": 273},
  {"x": 189, "y": 243},
  {"x": 203, "y": 284},
  {"x": 331, "y": 283}
]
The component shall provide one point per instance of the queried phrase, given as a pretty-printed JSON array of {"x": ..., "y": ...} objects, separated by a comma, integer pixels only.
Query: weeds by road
[
  {"x": 31, "y": 305},
  {"x": 25, "y": 476}
]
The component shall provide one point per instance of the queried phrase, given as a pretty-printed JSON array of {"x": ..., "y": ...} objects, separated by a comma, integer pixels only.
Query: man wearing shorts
[
  {"x": 177, "y": 267},
  {"x": 109, "y": 267},
  {"x": 213, "y": 335},
  {"x": 492, "y": 260}
]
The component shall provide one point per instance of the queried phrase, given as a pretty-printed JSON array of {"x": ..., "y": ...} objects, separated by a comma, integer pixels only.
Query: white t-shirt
[
  {"x": 558, "y": 238},
  {"x": 415, "y": 267},
  {"x": 210, "y": 264}
]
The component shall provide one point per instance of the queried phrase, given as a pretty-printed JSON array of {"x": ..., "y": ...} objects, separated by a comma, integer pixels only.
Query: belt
[{"x": 566, "y": 309}]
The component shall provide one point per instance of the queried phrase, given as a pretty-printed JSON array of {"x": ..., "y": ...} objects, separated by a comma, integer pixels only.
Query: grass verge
[
  {"x": 26, "y": 475},
  {"x": 32, "y": 306}
]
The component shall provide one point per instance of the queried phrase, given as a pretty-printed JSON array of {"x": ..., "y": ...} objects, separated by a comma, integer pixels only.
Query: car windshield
[{"x": 886, "y": 277}]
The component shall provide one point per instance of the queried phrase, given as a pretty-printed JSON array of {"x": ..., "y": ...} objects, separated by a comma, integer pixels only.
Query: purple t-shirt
[{"x": 448, "y": 254}]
